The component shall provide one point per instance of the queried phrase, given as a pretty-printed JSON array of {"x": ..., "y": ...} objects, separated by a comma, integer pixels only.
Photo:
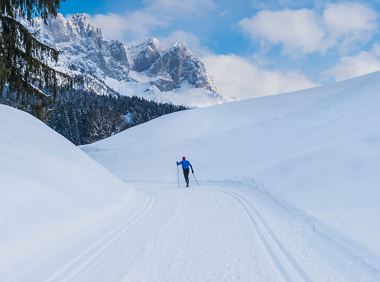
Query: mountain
[
  {"x": 83, "y": 49},
  {"x": 314, "y": 154},
  {"x": 174, "y": 76},
  {"x": 168, "y": 70},
  {"x": 93, "y": 109},
  {"x": 144, "y": 55}
]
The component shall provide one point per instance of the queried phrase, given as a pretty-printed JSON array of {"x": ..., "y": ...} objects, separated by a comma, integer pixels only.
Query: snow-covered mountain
[
  {"x": 168, "y": 70},
  {"x": 175, "y": 75},
  {"x": 315, "y": 153},
  {"x": 105, "y": 91}
]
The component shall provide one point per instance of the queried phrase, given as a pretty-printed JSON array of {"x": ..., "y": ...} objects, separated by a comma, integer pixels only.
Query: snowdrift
[
  {"x": 317, "y": 151},
  {"x": 49, "y": 189}
]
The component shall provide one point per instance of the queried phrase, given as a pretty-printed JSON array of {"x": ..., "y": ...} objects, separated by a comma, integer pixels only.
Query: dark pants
[{"x": 186, "y": 174}]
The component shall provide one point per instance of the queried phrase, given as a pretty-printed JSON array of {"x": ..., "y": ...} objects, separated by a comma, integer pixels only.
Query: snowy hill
[
  {"x": 316, "y": 152},
  {"x": 50, "y": 191},
  {"x": 173, "y": 76}
]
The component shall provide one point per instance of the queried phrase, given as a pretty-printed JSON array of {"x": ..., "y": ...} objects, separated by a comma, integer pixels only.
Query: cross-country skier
[{"x": 186, "y": 165}]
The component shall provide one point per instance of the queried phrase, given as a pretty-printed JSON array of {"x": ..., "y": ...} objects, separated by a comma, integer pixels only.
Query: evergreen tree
[
  {"x": 24, "y": 69},
  {"x": 85, "y": 117}
]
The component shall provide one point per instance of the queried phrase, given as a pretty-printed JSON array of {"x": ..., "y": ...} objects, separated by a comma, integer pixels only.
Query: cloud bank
[
  {"x": 309, "y": 31},
  {"x": 352, "y": 66},
  {"x": 238, "y": 78}
]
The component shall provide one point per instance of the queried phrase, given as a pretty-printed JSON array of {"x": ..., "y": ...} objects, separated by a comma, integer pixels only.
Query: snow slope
[
  {"x": 50, "y": 193},
  {"x": 313, "y": 154}
]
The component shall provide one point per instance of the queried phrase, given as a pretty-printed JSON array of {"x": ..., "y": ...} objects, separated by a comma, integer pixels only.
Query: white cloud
[
  {"x": 349, "y": 18},
  {"x": 236, "y": 77},
  {"x": 295, "y": 30},
  {"x": 352, "y": 66},
  {"x": 349, "y": 24},
  {"x": 141, "y": 22},
  {"x": 112, "y": 25},
  {"x": 307, "y": 31},
  {"x": 137, "y": 24}
]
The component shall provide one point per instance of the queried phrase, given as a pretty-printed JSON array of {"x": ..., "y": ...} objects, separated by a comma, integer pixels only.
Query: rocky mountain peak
[
  {"x": 145, "y": 69},
  {"x": 82, "y": 25},
  {"x": 84, "y": 51},
  {"x": 142, "y": 56},
  {"x": 153, "y": 42},
  {"x": 169, "y": 69},
  {"x": 179, "y": 47},
  {"x": 178, "y": 66},
  {"x": 81, "y": 20},
  {"x": 76, "y": 27}
]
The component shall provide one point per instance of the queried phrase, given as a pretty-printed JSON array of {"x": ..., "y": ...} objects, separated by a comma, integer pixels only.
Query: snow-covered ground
[
  {"x": 50, "y": 193},
  {"x": 288, "y": 192},
  {"x": 312, "y": 155}
]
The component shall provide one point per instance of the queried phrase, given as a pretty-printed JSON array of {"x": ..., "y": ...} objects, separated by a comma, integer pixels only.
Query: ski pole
[
  {"x": 196, "y": 179},
  {"x": 177, "y": 176}
]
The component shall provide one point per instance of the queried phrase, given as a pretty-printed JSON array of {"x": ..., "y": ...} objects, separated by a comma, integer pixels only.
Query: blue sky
[
  {"x": 252, "y": 48},
  {"x": 215, "y": 31}
]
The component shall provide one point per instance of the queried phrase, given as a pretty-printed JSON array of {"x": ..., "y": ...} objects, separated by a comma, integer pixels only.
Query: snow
[
  {"x": 50, "y": 190},
  {"x": 311, "y": 155},
  {"x": 186, "y": 95},
  {"x": 288, "y": 192}
]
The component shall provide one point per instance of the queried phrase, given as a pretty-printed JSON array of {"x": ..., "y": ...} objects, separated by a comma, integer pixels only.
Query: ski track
[
  {"x": 196, "y": 245},
  {"x": 84, "y": 260},
  {"x": 217, "y": 232},
  {"x": 288, "y": 268},
  {"x": 252, "y": 249}
]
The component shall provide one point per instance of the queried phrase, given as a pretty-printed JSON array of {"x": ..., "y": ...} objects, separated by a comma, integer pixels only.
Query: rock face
[
  {"x": 144, "y": 55},
  {"x": 83, "y": 49},
  {"x": 169, "y": 69},
  {"x": 177, "y": 66},
  {"x": 143, "y": 70}
]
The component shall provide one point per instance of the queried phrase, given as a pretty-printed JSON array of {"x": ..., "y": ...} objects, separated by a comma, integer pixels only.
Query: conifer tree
[{"x": 24, "y": 68}]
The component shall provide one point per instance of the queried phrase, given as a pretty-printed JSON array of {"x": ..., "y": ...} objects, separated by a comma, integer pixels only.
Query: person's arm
[
  {"x": 179, "y": 163},
  {"x": 192, "y": 170}
]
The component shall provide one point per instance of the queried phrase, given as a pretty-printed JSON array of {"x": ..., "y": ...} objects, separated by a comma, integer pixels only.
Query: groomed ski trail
[
  {"x": 288, "y": 268},
  {"x": 218, "y": 232},
  {"x": 86, "y": 258},
  {"x": 233, "y": 232}
]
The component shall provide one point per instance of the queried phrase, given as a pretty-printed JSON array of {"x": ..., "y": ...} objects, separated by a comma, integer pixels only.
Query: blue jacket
[{"x": 185, "y": 164}]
